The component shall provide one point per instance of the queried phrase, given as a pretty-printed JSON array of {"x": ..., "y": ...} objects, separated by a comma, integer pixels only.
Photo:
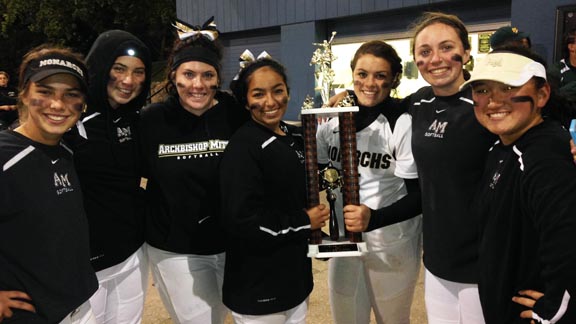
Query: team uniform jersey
[
  {"x": 43, "y": 229},
  {"x": 264, "y": 200},
  {"x": 385, "y": 160},
  {"x": 527, "y": 206},
  {"x": 181, "y": 154},
  {"x": 450, "y": 148},
  {"x": 384, "y": 279}
]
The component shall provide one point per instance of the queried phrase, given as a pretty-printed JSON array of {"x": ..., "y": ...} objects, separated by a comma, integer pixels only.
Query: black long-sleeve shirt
[
  {"x": 527, "y": 207},
  {"x": 450, "y": 147},
  {"x": 264, "y": 200},
  {"x": 43, "y": 230}
]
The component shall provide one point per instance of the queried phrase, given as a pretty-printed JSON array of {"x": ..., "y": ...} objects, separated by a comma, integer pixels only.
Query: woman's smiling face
[
  {"x": 373, "y": 79},
  {"x": 440, "y": 55},
  {"x": 53, "y": 105},
  {"x": 267, "y": 98},
  {"x": 127, "y": 77},
  {"x": 196, "y": 83}
]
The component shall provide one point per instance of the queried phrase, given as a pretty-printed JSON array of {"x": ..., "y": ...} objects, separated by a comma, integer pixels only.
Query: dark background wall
[
  {"x": 538, "y": 18},
  {"x": 287, "y": 28},
  {"x": 236, "y": 15}
]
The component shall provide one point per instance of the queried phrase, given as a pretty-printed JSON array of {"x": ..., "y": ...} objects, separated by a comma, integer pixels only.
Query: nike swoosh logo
[
  {"x": 439, "y": 111},
  {"x": 55, "y": 161},
  {"x": 336, "y": 132},
  {"x": 203, "y": 219},
  {"x": 116, "y": 120}
]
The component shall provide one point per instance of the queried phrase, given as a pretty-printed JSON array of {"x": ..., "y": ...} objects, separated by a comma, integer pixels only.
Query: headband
[
  {"x": 55, "y": 63},
  {"x": 191, "y": 53}
]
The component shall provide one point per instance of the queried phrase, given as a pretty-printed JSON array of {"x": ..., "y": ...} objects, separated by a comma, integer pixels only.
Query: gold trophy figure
[{"x": 322, "y": 59}]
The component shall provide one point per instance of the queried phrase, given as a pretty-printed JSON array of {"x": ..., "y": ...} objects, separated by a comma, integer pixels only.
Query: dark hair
[
  {"x": 431, "y": 18},
  {"x": 384, "y": 51},
  {"x": 558, "y": 107},
  {"x": 197, "y": 41},
  {"x": 569, "y": 38},
  {"x": 240, "y": 86}
]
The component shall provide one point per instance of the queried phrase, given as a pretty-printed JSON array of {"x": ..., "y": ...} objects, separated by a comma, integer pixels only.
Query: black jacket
[
  {"x": 527, "y": 206},
  {"x": 263, "y": 201},
  {"x": 106, "y": 156}
]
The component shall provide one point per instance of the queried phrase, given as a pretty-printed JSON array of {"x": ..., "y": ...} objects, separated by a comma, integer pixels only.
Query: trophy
[{"x": 331, "y": 178}]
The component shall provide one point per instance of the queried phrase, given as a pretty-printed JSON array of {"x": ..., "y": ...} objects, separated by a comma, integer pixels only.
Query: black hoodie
[
  {"x": 107, "y": 157},
  {"x": 182, "y": 154}
]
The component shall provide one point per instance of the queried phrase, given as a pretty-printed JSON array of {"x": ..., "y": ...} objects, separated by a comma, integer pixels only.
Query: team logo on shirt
[
  {"x": 496, "y": 176},
  {"x": 436, "y": 129},
  {"x": 495, "y": 179},
  {"x": 192, "y": 150},
  {"x": 62, "y": 184},
  {"x": 372, "y": 160},
  {"x": 124, "y": 134},
  {"x": 301, "y": 156}
]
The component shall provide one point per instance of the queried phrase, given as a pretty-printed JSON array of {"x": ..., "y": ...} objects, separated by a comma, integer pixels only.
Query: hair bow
[
  {"x": 247, "y": 57},
  {"x": 208, "y": 29}
]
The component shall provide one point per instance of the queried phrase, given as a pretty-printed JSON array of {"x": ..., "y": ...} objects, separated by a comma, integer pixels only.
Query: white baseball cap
[{"x": 508, "y": 68}]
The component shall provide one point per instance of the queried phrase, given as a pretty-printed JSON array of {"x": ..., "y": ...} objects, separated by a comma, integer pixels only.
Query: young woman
[
  {"x": 106, "y": 157},
  {"x": 383, "y": 280},
  {"x": 268, "y": 276},
  {"x": 182, "y": 140},
  {"x": 450, "y": 148},
  {"x": 527, "y": 194},
  {"x": 44, "y": 248}
]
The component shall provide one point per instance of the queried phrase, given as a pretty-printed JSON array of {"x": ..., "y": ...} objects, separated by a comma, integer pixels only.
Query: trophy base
[{"x": 331, "y": 249}]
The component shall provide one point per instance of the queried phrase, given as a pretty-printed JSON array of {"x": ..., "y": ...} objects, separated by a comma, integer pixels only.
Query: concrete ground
[{"x": 318, "y": 309}]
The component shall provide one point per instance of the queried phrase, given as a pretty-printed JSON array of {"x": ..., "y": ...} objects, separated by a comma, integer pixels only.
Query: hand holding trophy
[{"x": 331, "y": 178}]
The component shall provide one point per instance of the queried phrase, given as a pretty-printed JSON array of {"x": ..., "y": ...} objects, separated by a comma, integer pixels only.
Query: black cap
[{"x": 506, "y": 34}]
